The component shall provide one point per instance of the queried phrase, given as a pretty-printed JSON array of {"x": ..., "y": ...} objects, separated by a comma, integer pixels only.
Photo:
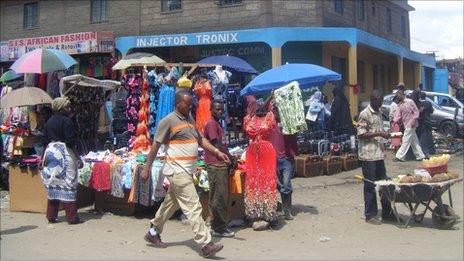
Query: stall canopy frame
[
  {"x": 69, "y": 82},
  {"x": 169, "y": 66}
]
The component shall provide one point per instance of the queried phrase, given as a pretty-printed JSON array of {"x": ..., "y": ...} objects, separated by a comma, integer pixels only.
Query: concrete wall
[
  {"x": 144, "y": 17},
  {"x": 67, "y": 16},
  {"x": 373, "y": 23}
]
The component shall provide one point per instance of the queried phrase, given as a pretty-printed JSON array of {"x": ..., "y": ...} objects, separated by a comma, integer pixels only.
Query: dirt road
[{"x": 329, "y": 225}]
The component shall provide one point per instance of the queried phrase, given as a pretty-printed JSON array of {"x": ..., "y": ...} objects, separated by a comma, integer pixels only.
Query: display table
[{"x": 28, "y": 194}]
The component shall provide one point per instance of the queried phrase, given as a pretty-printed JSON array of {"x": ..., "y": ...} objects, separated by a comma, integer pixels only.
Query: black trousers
[
  {"x": 426, "y": 140},
  {"x": 219, "y": 196},
  {"x": 374, "y": 170}
]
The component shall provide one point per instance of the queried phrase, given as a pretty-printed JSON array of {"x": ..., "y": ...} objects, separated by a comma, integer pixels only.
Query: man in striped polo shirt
[{"x": 181, "y": 139}]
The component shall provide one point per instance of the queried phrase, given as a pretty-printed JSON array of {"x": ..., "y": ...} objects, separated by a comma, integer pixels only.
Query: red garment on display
[
  {"x": 260, "y": 179},
  {"x": 43, "y": 81},
  {"x": 204, "y": 91},
  {"x": 141, "y": 141},
  {"x": 100, "y": 179}
]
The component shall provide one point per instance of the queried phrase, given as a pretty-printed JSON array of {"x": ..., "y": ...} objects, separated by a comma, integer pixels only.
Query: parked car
[
  {"x": 446, "y": 101},
  {"x": 443, "y": 120}
]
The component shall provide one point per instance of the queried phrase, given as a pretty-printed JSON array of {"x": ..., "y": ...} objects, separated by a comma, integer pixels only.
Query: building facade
[{"x": 366, "y": 41}]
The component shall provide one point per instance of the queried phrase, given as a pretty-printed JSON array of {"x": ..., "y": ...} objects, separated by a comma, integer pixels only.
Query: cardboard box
[
  {"x": 236, "y": 207},
  {"x": 28, "y": 194}
]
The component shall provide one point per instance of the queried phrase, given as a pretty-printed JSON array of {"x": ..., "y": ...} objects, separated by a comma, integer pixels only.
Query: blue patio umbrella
[
  {"x": 231, "y": 62},
  {"x": 307, "y": 75}
]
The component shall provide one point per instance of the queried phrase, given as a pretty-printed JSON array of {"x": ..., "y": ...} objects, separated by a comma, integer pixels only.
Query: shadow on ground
[{"x": 17, "y": 230}]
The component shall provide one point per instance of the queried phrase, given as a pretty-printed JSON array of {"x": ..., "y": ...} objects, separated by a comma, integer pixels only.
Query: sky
[{"x": 437, "y": 26}]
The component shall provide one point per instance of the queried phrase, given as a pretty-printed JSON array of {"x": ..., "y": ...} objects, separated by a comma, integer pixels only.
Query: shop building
[
  {"x": 366, "y": 41},
  {"x": 92, "y": 50}
]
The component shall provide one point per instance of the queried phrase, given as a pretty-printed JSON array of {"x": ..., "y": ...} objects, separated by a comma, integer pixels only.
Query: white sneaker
[{"x": 225, "y": 233}]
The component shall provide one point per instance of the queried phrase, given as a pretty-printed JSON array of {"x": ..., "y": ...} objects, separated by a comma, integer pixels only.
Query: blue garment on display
[
  {"x": 166, "y": 102},
  {"x": 219, "y": 86},
  {"x": 154, "y": 81},
  {"x": 127, "y": 174}
]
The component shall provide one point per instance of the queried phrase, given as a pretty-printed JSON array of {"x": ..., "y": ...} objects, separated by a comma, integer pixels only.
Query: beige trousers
[
  {"x": 182, "y": 193},
  {"x": 410, "y": 140}
]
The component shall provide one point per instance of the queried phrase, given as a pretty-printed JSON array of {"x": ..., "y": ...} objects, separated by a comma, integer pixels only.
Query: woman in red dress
[{"x": 260, "y": 180}]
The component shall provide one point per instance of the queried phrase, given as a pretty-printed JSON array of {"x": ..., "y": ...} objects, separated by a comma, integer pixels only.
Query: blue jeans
[{"x": 284, "y": 175}]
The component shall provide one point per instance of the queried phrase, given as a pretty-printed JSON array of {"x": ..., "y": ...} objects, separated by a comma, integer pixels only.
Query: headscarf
[
  {"x": 317, "y": 96},
  {"x": 252, "y": 105},
  {"x": 60, "y": 103}
]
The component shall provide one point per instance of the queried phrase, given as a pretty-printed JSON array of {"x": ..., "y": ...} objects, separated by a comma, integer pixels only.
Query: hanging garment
[
  {"x": 127, "y": 174},
  {"x": 116, "y": 180},
  {"x": 144, "y": 188},
  {"x": 166, "y": 102},
  {"x": 133, "y": 82},
  {"x": 100, "y": 179},
  {"x": 260, "y": 179},
  {"x": 157, "y": 178},
  {"x": 153, "y": 98},
  {"x": 203, "y": 112},
  {"x": 59, "y": 173},
  {"x": 219, "y": 82},
  {"x": 84, "y": 174},
  {"x": 291, "y": 109},
  {"x": 235, "y": 183}
]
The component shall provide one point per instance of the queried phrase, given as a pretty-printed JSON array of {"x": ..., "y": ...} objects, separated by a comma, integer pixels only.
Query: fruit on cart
[
  {"x": 436, "y": 161},
  {"x": 411, "y": 179},
  {"x": 452, "y": 174},
  {"x": 440, "y": 177}
]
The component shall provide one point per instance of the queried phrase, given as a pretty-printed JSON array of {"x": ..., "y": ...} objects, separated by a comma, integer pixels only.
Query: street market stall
[{"x": 428, "y": 184}]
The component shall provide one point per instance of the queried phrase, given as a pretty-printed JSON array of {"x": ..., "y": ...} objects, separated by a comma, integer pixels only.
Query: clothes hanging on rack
[
  {"x": 203, "y": 90},
  {"x": 166, "y": 102},
  {"x": 219, "y": 80},
  {"x": 86, "y": 102},
  {"x": 133, "y": 83},
  {"x": 155, "y": 81}
]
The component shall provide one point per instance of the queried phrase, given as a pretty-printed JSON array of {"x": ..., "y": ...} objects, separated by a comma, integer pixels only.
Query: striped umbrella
[{"x": 43, "y": 61}]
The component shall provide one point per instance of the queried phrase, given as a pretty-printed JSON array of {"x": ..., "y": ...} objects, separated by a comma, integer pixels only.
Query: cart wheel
[{"x": 442, "y": 222}]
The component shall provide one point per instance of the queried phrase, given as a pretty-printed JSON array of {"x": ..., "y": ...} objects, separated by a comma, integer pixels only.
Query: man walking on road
[
  {"x": 372, "y": 155},
  {"x": 218, "y": 173},
  {"x": 407, "y": 114},
  {"x": 181, "y": 139}
]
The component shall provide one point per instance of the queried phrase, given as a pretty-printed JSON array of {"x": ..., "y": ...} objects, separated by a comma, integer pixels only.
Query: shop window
[
  {"x": 373, "y": 9},
  {"x": 338, "y": 5},
  {"x": 361, "y": 9},
  {"x": 99, "y": 10},
  {"x": 31, "y": 15},
  {"x": 403, "y": 27},
  {"x": 389, "y": 19},
  {"x": 171, "y": 5},
  {"x": 228, "y": 2}
]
